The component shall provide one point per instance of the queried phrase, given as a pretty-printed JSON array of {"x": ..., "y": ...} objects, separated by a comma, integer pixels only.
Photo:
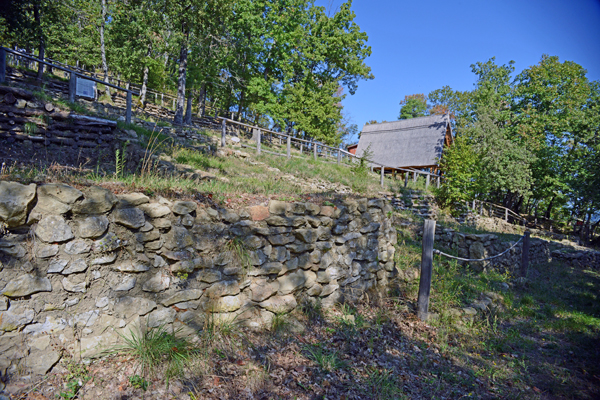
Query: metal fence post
[
  {"x": 128, "y": 111},
  {"x": 258, "y": 134},
  {"x": 525, "y": 254},
  {"x": 223, "y": 132},
  {"x": 2, "y": 65},
  {"x": 289, "y": 147},
  {"x": 426, "y": 269},
  {"x": 72, "y": 87}
]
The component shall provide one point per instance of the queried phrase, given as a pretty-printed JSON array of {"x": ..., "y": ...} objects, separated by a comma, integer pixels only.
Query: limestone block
[
  {"x": 127, "y": 306},
  {"x": 278, "y": 207},
  {"x": 279, "y": 304},
  {"x": 15, "y": 317},
  {"x": 184, "y": 207},
  {"x": 262, "y": 289},
  {"x": 129, "y": 217},
  {"x": 129, "y": 200},
  {"x": 131, "y": 266},
  {"x": 26, "y": 285},
  {"x": 292, "y": 282},
  {"x": 77, "y": 246},
  {"x": 182, "y": 296},
  {"x": 53, "y": 229},
  {"x": 46, "y": 251},
  {"x": 155, "y": 210},
  {"x": 161, "y": 317},
  {"x": 92, "y": 227},
  {"x": 97, "y": 201},
  {"x": 15, "y": 202}
]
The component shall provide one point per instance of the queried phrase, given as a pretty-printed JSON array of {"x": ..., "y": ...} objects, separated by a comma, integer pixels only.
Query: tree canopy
[{"x": 287, "y": 63}]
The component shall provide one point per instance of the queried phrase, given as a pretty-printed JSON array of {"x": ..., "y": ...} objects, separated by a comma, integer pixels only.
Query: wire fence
[{"x": 441, "y": 253}]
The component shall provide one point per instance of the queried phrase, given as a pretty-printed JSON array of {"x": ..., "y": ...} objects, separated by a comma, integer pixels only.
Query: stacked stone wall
[{"x": 80, "y": 267}]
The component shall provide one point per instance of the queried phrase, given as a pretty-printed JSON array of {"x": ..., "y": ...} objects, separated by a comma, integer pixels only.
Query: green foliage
[
  {"x": 157, "y": 348},
  {"x": 326, "y": 360},
  {"x": 120, "y": 158},
  {"x": 138, "y": 382},
  {"x": 413, "y": 106},
  {"x": 30, "y": 128}
]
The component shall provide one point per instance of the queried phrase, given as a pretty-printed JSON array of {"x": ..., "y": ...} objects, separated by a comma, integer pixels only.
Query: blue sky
[{"x": 420, "y": 46}]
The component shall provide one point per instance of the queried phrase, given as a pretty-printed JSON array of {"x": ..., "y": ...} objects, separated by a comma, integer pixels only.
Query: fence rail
[
  {"x": 494, "y": 210},
  {"x": 321, "y": 150}
]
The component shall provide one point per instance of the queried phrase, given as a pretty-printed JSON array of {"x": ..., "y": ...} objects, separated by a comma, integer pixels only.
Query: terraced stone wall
[{"x": 77, "y": 267}]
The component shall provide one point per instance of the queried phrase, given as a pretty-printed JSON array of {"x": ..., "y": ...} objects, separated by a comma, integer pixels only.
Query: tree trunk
[
  {"x": 183, "y": 55},
  {"x": 202, "y": 101},
  {"x": 144, "y": 87},
  {"x": 102, "y": 48},
  {"x": 42, "y": 47},
  {"x": 188, "y": 110},
  {"x": 549, "y": 209}
]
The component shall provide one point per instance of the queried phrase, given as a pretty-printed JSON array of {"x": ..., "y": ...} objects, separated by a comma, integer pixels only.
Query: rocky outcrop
[{"x": 101, "y": 264}]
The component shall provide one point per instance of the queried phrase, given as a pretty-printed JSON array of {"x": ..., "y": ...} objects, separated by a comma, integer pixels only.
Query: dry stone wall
[
  {"x": 478, "y": 246},
  {"x": 78, "y": 267}
]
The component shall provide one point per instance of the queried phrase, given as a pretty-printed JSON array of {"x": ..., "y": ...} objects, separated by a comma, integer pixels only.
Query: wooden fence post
[
  {"x": 405, "y": 179},
  {"x": 289, "y": 147},
  {"x": 415, "y": 176},
  {"x": 426, "y": 269},
  {"x": 2, "y": 65},
  {"x": 438, "y": 182},
  {"x": 128, "y": 111},
  {"x": 427, "y": 178},
  {"x": 162, "y": 99},
  {"x": 382, "y": 172},
  {"x": 473, "y": 204},
  {"x": 525, "y": 254},
  {"x": 223, "y": 132},
  {"x": 301, "y": 147},
  {"x": 506, "y": 214},
  {"x": 258, "y": 140},
  {"x": 72, "y": 87},
  {"x": 339, "y": 156},
  {"x": 315, "y": 150}
]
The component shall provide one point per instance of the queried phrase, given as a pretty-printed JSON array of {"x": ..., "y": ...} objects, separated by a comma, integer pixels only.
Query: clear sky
[{"x": 419, "y": 46}]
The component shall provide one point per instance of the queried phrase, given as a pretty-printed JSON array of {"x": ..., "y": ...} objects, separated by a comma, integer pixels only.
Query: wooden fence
[
  {"x": 159, "y": 98},
  {"x": 494, "y": 210},
  {"x": 327, "y": 153},
  {"x": 72, "y": 77}
]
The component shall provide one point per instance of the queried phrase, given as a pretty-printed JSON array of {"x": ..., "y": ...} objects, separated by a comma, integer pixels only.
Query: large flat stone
[
  {"x": 184, "y": 207},
  {"x": 56, "y": 198},
  {"x": 92, "y": 227},
  {"x": 127, "y": 306},
  {"x": 157, "y": 283},
  {"x": 129, "y": 217},
  {"x": 26, "y": 285},
  {"x": 182, "y": 296},
  {"x": 15, "y": 318},
  {"x": 279, "y": 304},
  {"x": 155, "y": 210},
  {"x": 53, "y": 229},
  {"x": 15, "y": 202},
  {"x": 97, "y": 201}
]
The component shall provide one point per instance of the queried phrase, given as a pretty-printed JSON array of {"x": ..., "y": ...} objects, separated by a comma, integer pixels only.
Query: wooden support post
[
  {"x": 473, "y": 204},
  {"x": 128, "y": 111},
  {"x": 162, "y": 99},
  {"x": 371, "y": 168},
  {"x": 289, "y": 147},
  {"x": 415, "y": 176},
  {"x": 438, "y": 182},
  {"x": 2, "y": 65},
  {"x": 301, "y": 147},
  {"x": 427, "y": 178},
  {"x": 382, "y": 172},
  {"x": 481, "y": 208},
  {"x": 426, "y": 270},
  {"x": 315, "y": 151},
  {"x": 525, "y": 254},
  {"x": 506, "y": 214},
  {"x": 339, "y": 157},
  {"x": 72, "y": 87},
  {"x": 258, "y": 135},
  {"x": 223, "y": 132},
  {"x": 405, "y": 179}
]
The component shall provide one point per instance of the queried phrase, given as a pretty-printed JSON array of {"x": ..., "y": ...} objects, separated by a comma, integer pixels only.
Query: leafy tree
[{"x": 413, "y": 106}]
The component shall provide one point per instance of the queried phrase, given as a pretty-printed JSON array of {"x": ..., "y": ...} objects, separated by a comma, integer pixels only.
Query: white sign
[{"x": 86, "y": 88}]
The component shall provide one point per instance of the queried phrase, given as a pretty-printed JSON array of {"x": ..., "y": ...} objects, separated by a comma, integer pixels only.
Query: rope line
[{"x": 435, "y": 251}]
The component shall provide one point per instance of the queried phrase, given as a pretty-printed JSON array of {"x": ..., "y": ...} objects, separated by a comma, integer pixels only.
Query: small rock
[
  {"x": 92, "y": 227},
  {"x": 130, "y": 217},
  {"x": 53, "y": 229}
]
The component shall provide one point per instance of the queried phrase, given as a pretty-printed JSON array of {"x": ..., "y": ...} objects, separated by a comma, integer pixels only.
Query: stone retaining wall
[
  {"x": 79, "y": 267},
  {"x": 478, "y": 246},
  {"x": 37, "y": 132}
]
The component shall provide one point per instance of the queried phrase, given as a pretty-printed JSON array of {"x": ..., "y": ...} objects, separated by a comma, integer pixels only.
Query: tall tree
[{"x": 413, "y": 106}]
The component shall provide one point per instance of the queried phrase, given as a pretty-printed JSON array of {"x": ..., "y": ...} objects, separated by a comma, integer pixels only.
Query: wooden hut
[{"x": 416, "y": 143}]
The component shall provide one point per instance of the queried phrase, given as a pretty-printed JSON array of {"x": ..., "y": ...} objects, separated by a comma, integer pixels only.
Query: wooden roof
[{"x": 416, "y": 142}]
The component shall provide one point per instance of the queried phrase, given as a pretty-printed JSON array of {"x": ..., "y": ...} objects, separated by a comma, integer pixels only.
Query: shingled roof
[{"x": 415, "y": 142}]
